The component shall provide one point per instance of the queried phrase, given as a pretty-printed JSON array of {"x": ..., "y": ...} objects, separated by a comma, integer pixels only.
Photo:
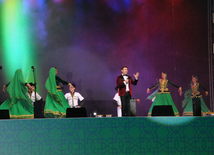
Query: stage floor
[{"x": 130, "y": 135}]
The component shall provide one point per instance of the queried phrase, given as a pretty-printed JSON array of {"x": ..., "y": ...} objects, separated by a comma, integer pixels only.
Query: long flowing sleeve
[
  {"x": 173, "y": 84},
  {"x": 186, "y": 88},
  {"x": 200, "y": 86},
  {"x": 156, "y": 84},
  {"x": 62, "y": 81}
]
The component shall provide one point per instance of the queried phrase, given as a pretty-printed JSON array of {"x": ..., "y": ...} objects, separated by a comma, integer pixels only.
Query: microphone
[
  {"x": 0, "y": 67},
  {"x": 32, "y": 67}
]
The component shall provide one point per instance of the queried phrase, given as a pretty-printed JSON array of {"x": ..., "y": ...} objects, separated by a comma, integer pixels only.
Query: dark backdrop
[{"x": 90, "y": 40}]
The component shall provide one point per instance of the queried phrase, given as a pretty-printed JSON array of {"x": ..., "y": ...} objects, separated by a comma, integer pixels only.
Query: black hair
[
  {"x": 124, "y": 67},
  {"x": 31, "y": 84},
  {"x": 73, "y": 85}
]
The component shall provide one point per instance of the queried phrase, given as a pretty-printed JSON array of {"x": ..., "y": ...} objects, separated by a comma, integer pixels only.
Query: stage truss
[{"x": 211, "y": 51}]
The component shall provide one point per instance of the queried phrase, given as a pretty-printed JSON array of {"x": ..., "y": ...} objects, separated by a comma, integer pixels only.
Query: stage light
[
  {"x": 16, "y": 39},
  {"x": 108, "y": 115},
  {"x": 94, "y": 113},
  {"x": 171, "y": 121}
]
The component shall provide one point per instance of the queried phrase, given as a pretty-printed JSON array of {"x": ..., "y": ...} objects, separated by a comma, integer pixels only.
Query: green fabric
[
  {"x": 164, "y": 99},
  {"x": 56, "y": 104},
  {"x": 19, "y": 104},
  {"x": 188, "y": 110},
  {"x": 187, "y": 103},
  {"x": 187, "y": 97},
  {"x": 50, "y": 85},
  {"x": 150, "y": 97}
]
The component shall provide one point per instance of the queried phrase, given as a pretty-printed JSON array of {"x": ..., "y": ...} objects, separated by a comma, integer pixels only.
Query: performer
[
  {"x": 193, "y": 102},
  {"x": 117, "y": 102},
  {"x": 125, "y": 91},
  {"x": 162, "y": 94},
  {"x": 56, "y": 104},
  {"x": 72, "y": 97},
  {"x": 19, "y": 104},
  {"x": 31, "y": 93}
]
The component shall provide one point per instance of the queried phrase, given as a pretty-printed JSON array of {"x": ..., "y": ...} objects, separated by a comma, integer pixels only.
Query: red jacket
[{"x": 122, "y": 86}]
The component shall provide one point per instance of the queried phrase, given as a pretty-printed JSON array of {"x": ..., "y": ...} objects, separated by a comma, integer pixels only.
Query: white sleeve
[
  {"x": 38, "y": 97},
  {"x": 80, "y": 97},
  {"x": 28, "y": 95},
  {"x": 66, "y": 95},
  {"x": 116, "y": 97}
]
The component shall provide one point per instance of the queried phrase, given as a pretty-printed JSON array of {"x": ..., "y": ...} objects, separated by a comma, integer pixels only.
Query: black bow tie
[{"x": 125, "y": 75}]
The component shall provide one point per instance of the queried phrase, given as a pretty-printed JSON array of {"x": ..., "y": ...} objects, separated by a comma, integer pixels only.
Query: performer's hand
[
  {"x": 180, "y": 93},
  {"x": 4, "y": 89},
  {"x": 206, "y": 93},
  {"x": 120, "y": 106},
  {"x": 148, "y": 90},
  {"x": 28, "y": 85},
  {"x": 127, "y": 80},
  {"x": 180, "y": 89},
  {"x": 136, "y": 75}
]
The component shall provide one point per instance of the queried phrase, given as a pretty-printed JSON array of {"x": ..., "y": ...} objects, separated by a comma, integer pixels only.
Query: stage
[{"x": 133, "y": 135}]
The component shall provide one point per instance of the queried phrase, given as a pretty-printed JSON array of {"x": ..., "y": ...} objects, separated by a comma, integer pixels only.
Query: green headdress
[
  {"x": 17, "y": 89},
  {"x": 51, "y": 86}
]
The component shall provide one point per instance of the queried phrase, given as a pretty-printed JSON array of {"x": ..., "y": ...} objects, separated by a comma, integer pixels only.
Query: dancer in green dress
[
  {"x": 193, "y": 96},
  {"x": 56, "y": 104},
  {"x": 19, "y": 104},
  {"x": 162, "y": 94}
]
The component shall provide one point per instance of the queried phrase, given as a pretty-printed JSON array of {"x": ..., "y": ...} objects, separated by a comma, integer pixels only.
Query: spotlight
[
  {"x": 108, "y": 115},
  {"x": 99, "y": 115},
  {"x": 95, "y": 113}
]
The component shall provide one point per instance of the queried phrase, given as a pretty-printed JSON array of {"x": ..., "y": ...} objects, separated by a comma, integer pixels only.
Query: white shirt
[
  {"x": 32, "y": 97},
  {"x": 119, "y": 110},
  {"x": 127, "y": 84},
  {"x": 73, "y": 99}
]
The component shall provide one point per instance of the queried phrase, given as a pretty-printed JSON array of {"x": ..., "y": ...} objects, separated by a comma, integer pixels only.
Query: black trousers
[
  {"x": 38, "y": 109},
  {"x": 196, "y": 106},
  {"x": 125, "y": 100}
]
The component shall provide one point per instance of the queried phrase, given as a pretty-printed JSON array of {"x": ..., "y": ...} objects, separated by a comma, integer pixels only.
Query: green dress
[
  {"x": 19, "y": 104},
  {"x": 190, "y": 92},
  {"x": 56, "y": 104},
  {"x": 162, "y": 96}
]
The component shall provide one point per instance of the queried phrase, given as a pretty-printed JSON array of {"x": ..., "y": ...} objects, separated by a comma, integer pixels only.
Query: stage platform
[{"x": 108, "y": 136}]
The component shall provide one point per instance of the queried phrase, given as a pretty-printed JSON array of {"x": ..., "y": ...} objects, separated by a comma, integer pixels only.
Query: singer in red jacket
[{"x": 125, "y": 91}]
